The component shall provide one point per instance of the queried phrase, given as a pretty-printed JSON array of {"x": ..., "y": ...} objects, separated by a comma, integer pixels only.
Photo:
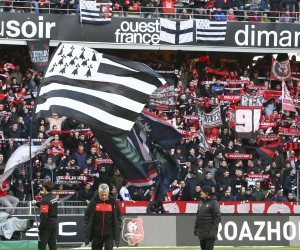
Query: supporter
[
  {"x": 207, "y": 181},
  {"x": 257, "y": 192},
  {"x": 247, "y": 196},
  {"x": 227, "y": 196},
  {"x": 104, "y": 175},
  {"x": 211, "y": 169},
  {"x": 281, "y": 197},
  {"x": 191, "y": 182},
  {"x": 117, "y": 180},
  {"x": 55, "y": 120},
  {"x": 80, "y": 155},
  {"x": 218, "y": 159},
  {"x": 290, "y": 197},
  {"x": 148, "y": 7},
  {"x": 181, "y": 193},
  {"x": 230, "y": 15},
  {"x": 85, "y": 193},
  {"x": 155, "y": 207},
  {"x": 285, "y": 17},
  {"x": 278, "y": 159},
  {"x": 17, "y": 74},
  {"x": 184, "y": 14},
  {"x": 252, "y": 168},
  {"x": 50, "y": 168},
  {"x": 87, "y": 166},
  {"x": 290, "y": 183},
  {"x": 200, "y": 13},
  {"x": 7, "y": 200},
  {"x": 197, "y": 193},
  {"x": 266, "y": 19},
  {"x": 2, "y": 163},
  {"x": 124, "y": 193},
  {"x": 276, "y": 180},
  {"x": 239, "y": 195},
  {"x": 219, "y": 15}
]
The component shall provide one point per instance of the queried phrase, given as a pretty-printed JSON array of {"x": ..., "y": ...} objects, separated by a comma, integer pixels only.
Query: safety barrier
[
  {"x": 175, "y": 207},
  {"x": 135, "y": 11}
]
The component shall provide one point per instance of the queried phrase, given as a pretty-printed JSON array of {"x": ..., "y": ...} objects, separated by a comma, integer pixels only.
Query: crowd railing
[
  {"x": 136, "y": 10},
  {"x": 183, "y": 207}
]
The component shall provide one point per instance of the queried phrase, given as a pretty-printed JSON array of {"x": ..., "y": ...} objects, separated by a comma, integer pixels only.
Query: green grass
[{"x": 179, "y": 248}]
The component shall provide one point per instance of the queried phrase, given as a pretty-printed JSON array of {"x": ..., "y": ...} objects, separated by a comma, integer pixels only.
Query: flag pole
[{"x": 31, "y": 168}]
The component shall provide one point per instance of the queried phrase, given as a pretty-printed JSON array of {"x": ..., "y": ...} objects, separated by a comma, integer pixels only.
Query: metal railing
[
  {"x": 66, "y": 207},
  {"x": 137, "y": 11}
]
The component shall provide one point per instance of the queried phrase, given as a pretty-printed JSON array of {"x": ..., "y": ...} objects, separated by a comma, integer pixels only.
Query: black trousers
[
  {"x": 47, "y": 236},
  {"x": 98, "y": 243},
  {"x": 207, "y": 244}
]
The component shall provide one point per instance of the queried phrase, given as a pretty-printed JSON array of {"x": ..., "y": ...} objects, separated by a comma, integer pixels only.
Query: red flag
[
  {"x": 287, "y": 103},
  {"x": 280, "y": 70}
]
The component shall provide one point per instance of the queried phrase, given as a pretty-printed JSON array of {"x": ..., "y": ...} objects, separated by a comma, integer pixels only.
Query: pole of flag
[{"x": 31, "y": 170}]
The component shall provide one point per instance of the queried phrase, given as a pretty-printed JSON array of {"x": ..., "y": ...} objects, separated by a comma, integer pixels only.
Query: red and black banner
[{"x": 39, "y": 53}]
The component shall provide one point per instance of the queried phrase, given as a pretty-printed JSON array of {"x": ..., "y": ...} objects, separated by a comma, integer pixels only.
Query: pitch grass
[
  {"x": 216, "y": 248},
  {"x": 179, "y": 248}
]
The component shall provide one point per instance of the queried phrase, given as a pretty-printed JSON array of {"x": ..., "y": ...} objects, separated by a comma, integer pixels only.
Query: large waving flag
[
  {"x": 21, "y": 155},
  {"x": 132, "y": 156},
  {"x": 142, "y": 157},
  {"x": 158, "y": 129},
  {"x": 106, "y": 93}
]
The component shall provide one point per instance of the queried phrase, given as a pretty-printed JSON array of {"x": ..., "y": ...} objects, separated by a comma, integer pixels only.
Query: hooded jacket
[{"x": 207, "y": 219}]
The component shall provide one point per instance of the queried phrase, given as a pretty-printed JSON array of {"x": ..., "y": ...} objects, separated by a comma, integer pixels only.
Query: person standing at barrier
[
  {"x": 6, "y": 200},
  {"x": 102, "y": 220},
  {"x": 208, "y": 219},
  {"x": 48, "y": 218}
]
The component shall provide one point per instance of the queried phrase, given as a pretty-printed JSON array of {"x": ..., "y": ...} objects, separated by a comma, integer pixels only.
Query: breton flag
[
  {"x": 176, "y": 32},
  {"x": 209, "y": 32},
  {"x": 104, "y": 92},
  {"x": 95, "y": 12},
  {"x": 287, "y": 103}
]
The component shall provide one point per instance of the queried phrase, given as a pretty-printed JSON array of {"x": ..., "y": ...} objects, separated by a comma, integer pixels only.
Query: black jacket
[
  {"x": 112, "y": 221},
  {"x": 48, "y": 212},
  {"x": 207, "y": 219}
]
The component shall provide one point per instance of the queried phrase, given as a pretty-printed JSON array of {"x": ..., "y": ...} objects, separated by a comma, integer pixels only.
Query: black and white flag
[
  {"x": 95, "y": 12},
  {"x": 203, "y": 144},
  {"x": 104, "y": 92},
  {"x": 176, "y": 32},
  {"x": 247, "y": 100},
  {"x": 211, "y": 119},
  {"x": 209, "y": 32}
]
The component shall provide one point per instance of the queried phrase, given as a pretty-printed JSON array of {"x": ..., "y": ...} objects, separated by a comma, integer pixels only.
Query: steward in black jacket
[
  {"x": 48, "y": 217},
  {"x": 208, "y": 219},
  {"x": 102, "y": 220}
]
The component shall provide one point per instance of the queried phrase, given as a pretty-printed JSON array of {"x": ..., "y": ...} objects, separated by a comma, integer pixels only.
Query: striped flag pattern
[
  {"x": 203, "y": 144},
  {"x": 210, "y": 32},
  {"x": 176, "y": 32},
  {"x": 93, "y": 12},
  {"x": 104, "y": 92}
]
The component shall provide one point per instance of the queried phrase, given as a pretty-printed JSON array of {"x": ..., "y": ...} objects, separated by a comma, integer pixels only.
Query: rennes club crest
[
  {"x": 104, "y": 10},
  {"x": 132, "y": 231},
  {"x": 281, "y": 70}
]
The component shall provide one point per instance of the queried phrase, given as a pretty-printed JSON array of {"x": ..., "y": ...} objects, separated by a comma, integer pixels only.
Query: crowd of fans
[
  {"x": 77, "y": 163},
  {"x": 219, "y": 10}
]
